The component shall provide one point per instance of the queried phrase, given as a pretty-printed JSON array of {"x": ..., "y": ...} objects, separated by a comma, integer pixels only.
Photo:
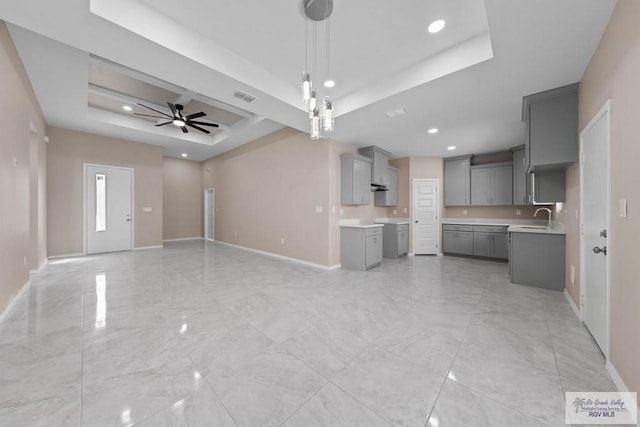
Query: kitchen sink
[{"x": 534, "y": 227}]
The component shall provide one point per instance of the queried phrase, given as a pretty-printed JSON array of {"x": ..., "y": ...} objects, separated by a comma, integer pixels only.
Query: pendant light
[{"x": 321, "y": 116}]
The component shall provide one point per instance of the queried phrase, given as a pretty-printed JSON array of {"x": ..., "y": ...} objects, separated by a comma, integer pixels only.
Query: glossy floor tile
[{"x": 202, "y": 334}]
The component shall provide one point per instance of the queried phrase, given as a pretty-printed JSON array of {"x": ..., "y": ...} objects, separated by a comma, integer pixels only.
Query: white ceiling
[{"x": 468, "y": 80}]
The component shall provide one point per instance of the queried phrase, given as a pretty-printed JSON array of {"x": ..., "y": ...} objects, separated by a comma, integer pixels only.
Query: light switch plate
[
  {"x": 395, "y": 212},
  {"x": 404, "y": 210},
  {"x": 518, "y": 212},
  {"x": 622, "y": 208},
  {"x": 464, "y": 212},
  {"x": 318, "y": 209},
  {"x": 147, "y": 209}
]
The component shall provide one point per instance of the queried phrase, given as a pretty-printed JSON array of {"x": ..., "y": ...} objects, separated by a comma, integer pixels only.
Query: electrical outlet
[
  {"x": 404, "y": 210},
  {"x": 333, "y": 209},
  {"x": 14, "y": 161},
  {"x": 282, "y": 240},
  {"x": 318, "y": 209},
  {"x": 341, "y": 211},
  {"x": 518, "y": 212},
  {"x": 464, "y": 212},
  {"x": 235, "y": 234},
  {"x": 395, "y": 212},
  {"x": 25, "y": 260}
]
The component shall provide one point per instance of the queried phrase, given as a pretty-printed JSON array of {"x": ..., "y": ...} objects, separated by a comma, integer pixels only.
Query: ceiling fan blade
[
  {"x": 149, "y": 115},
  {"x": 184, "y": 129},
  {"x": 165, "y": 123},
  {"x": 153, "y": 109},
  {"x": 172, "y": 108},
  {"x": 203, "y": 130},
  {"x": 196, "y": 115},
  {"x": 195, "y": 122}
]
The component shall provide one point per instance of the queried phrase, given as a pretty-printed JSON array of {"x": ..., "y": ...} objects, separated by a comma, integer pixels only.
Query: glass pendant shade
[
  {"x": 306, "y": 86},
  {"x": 315, "y": 124},
  {"x": 327, "y": 120},
  {"x": 313, "y": 103}
]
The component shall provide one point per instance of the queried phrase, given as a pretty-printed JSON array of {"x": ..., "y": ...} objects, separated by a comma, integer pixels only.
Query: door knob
[{"x": 597, "y": 250}]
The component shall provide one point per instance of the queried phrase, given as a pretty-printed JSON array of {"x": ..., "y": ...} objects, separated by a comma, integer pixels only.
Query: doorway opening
[{"x": 209, "y": 213}]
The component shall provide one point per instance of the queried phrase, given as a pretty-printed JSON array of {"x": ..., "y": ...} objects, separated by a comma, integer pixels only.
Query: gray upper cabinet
[
  {"x": 379, "y": 170},
  {"x": 492, "y": 184},
  {"x": 547, "y": 187},
  {"x": 457, "y": 181},
  {"x": 388, "y": 198},
  {"x": 355, "y": 175},
  {"x": 520, "y": 193},
  {"x": 551, "y": 135}
]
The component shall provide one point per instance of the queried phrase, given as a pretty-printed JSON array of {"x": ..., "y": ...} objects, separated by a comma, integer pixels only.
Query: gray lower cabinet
[
  {"x": 355, "y": 180},
  {"x": 457, "y": 239},
  {"x": 360, "y": 248},
  {"x": 395, "y": 240},
  {"x": 490, "y": 242},
  {"x": 479, "y": 241},
  {"x": 537, "y": 259},
  {"x": 388, "y": 198}
]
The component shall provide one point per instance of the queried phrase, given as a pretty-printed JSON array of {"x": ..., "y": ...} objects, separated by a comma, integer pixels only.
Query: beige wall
[
  {"x": 613, "y": 73},
  {"x": 68, "y": 152},
  {"x": 22, "y": 184},
  {"x": 268, "y": 190},
  {"x": 182, "y": 199},
  {"x": 571, "y": 220}
]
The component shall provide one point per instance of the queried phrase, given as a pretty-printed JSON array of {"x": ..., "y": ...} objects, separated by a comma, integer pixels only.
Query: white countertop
[
  {"x": 355, "y": 223},
  {"x": 557, "y": 228},
  {"x": 391, "y": 221}
]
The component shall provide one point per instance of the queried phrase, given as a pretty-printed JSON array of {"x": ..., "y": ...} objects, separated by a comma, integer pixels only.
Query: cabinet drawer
[
  {"x": 374, "y": 231},
  {"x": 452, "y": 227},
  {"x": 490, "y": 229}
]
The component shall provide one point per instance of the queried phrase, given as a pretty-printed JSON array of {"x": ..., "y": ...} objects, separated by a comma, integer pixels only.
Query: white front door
[
  {"x": 108, "y": 208},
  {"x": 209, "y": 213},
  {"x": 425, "y": 216},
  {"x": 595, "y": 218}
]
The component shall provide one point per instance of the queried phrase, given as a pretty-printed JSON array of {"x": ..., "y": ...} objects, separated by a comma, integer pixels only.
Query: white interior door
[
  {"x": 425, "y": 216},
  {"x": 595, "y": 219},
  {"x": 209, "y": 213},
  {"x": 108, "y": 209}
]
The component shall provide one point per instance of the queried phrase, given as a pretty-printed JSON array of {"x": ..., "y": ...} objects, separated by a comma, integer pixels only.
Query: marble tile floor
[{"x": 203, "y": 334}]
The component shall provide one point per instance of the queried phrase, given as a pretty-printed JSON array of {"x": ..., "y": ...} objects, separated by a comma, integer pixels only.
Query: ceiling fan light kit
[
  {"x": 317, "y": 11},
  {"x": 179, "y": 119}
]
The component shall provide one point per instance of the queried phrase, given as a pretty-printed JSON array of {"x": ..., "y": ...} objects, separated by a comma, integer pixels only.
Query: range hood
[{"x": 378, "y": 187}]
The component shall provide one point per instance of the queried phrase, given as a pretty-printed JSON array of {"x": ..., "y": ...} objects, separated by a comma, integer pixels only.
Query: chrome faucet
[{"x": 548, "y": 211}]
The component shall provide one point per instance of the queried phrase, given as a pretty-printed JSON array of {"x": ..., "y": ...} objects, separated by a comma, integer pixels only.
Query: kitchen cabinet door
[
  {"x": 380, "y": 163},
  {"x": 500, "y": 248},
  {"x": 457, "y": 181},
  {"x": 481, "y": 187},
  {"x": 483, "y": 244},
  {"x": 403, "y": 242},
  {"x": 388, "y": 198},
  {"x": 355, "y": 172},
  {"x": 373, "y": 251},
  {"x": 465, "y": 243},
  {"x": 502, "y": 185},
  {"x": 519, "y": 177}
]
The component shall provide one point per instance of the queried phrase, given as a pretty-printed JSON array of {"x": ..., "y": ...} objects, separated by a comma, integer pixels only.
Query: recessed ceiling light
[
  {"x": 453, "y": 147},
  {"x": 329, "y": 83},
  {"x": 126, "y": 108},
  {"x": 184, "y": 155},
  {"x": 436, "y": 26},
  {"x": 433, "y": 130}
]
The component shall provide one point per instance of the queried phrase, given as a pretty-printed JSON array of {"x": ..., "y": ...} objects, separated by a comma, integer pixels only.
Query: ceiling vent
[
  {"x": 395, "y": 113},
  {"x": 244, "y": 96}
]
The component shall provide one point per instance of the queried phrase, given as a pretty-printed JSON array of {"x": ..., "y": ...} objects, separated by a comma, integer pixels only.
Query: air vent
[
  {"x": 395, "y": 113},
  {"x": 244, "y": 96}
]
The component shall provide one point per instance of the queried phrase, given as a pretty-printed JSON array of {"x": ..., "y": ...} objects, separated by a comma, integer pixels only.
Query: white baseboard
[
  {"x": 184, "y": 239},
  {"x": 142, "y": 248},
  {"x": 573, "y": 305},
  {"x": 282, "y": 257},
  {"x": 65, "y": 256},
  {"x": 39, "y": 268},
  {"x": 14, "y": 301},
  {"x": 622, "y": 387}
]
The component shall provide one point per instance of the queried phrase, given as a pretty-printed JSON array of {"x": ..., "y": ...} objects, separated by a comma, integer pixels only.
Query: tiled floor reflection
[{"x": 201, "y": 334}]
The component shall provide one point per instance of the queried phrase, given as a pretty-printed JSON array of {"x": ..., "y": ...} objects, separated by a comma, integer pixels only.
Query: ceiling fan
[{"x": 178, "y": 118}]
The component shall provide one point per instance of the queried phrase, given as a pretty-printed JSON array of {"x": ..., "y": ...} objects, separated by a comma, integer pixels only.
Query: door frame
[
  {"x": 604, "y": 111},
  {"x": 413, "y": 183},
  {"x": 206, "y": 210},
  {"x": 84, "y": 202}
]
